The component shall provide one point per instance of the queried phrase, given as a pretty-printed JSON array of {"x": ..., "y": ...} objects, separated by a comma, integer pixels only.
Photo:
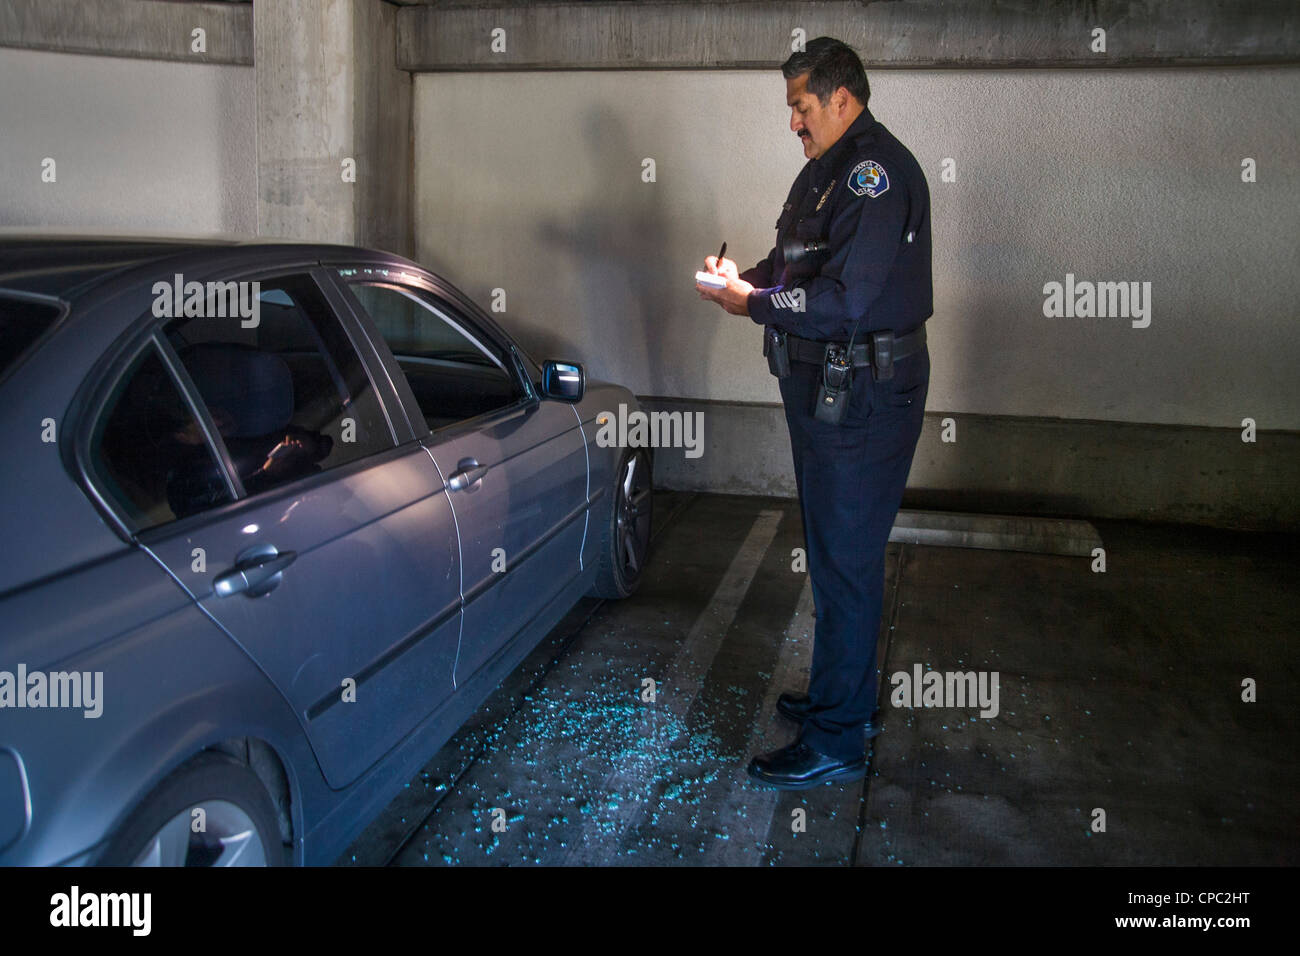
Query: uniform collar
[{"x": 857, "y": 129}]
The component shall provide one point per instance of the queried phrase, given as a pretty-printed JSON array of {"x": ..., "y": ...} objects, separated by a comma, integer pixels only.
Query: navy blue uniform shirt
[{"x": 876, "y": 226}]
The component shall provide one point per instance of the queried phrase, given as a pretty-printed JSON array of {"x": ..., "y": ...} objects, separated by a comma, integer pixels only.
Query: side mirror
[{"x": 563, "y": 381}]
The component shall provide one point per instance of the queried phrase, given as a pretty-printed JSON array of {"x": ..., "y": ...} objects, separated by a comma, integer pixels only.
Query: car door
[
  {"x": 336, "y": 565},
  {"x": 514, "y": 466}
]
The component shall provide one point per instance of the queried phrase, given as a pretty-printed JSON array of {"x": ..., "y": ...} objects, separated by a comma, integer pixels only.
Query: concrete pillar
[{"x": 329, "y": 91}]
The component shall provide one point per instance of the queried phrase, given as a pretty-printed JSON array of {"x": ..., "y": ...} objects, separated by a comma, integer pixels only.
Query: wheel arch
[{"x": 268, "y": 750}]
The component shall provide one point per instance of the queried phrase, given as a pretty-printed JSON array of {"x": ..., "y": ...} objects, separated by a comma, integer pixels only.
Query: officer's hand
[
  {"x": 722, "y": 267},
  {"x": 734, "y": 298}
]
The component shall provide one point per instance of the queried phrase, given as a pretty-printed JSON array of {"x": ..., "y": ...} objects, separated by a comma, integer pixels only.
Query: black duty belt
[{"x": 809, "y": 350}]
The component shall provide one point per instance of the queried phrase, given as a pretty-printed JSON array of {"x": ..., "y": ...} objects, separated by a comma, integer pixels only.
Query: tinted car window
[
  {"x": 21, "y": 323},
  {"x": 289, "y": 395},
  {"x": 148, "y": 453},
  {"x": 454, "y": 372}
]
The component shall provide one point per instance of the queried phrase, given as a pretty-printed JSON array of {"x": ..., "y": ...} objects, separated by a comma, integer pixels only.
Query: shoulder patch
[{"x": 868, "y": 178}]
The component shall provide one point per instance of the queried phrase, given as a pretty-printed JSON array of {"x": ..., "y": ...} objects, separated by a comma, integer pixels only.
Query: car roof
[{"x": 66, "y": 266}]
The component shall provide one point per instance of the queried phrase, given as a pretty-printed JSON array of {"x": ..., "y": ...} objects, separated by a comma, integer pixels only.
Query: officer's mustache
[{"x": 804, "y": 134}]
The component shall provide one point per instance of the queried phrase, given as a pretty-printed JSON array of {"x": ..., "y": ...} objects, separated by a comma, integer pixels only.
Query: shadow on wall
[
  {"x": 617, "y": 247},
  {"x": 994, "y": 465}
]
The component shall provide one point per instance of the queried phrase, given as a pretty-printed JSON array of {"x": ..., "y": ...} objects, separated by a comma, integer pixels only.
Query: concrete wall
[
  {"x": 138, "y": 145},
  {"x": 153, "y": 136},
  {"x": 532, "y": 182},
  {"x": 1023, "y": 465}
]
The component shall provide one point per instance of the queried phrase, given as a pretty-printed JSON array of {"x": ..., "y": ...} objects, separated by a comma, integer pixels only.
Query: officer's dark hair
[{"x": 829, "y": 64}]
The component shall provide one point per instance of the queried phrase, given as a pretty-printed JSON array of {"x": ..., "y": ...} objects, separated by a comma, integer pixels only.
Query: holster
[
  {"x": 882, "y": 355},
  {"x": 836, "y": 387},
  {"x": 778, "y": 355}
]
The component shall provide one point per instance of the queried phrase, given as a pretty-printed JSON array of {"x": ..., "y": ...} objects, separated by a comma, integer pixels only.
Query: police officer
[{"x": 843, "y": 298}]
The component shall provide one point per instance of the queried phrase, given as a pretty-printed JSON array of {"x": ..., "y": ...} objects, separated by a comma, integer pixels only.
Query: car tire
[
  {"x": 625, "y": 539},
  {"x": 239, "y": 820}
]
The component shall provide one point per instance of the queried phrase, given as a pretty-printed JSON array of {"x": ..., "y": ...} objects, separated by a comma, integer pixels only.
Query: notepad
[{"x": 710, "y": 280}]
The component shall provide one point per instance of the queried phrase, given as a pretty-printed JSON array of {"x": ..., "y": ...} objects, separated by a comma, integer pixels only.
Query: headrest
[{"x": 254, "y": 389}]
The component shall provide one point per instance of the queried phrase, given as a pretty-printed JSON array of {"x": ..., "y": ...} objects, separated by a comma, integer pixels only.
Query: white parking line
[
  {"x": 747, "y": 832},
  {"x": 665, "y": 720}
]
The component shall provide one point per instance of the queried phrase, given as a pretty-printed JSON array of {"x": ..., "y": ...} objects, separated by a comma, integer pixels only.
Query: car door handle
[
  {"x": 468, "y": 475},
  {"x": 256, "y": 576}
]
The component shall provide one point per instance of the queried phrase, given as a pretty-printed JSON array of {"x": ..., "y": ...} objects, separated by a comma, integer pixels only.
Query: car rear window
[{"x": 22, "y": 321}]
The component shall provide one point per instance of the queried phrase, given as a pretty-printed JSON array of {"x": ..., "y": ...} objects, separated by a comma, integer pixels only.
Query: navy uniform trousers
[{"x": 850, "y": 478}]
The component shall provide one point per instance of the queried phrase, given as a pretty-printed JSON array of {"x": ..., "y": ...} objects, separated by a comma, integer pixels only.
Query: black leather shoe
[
  {"x": 798, "y": 767},
  {"x": 795, "y": 706}
]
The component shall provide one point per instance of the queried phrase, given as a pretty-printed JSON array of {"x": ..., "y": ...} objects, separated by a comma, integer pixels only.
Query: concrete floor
[{"x": 1119, "y": 691}]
